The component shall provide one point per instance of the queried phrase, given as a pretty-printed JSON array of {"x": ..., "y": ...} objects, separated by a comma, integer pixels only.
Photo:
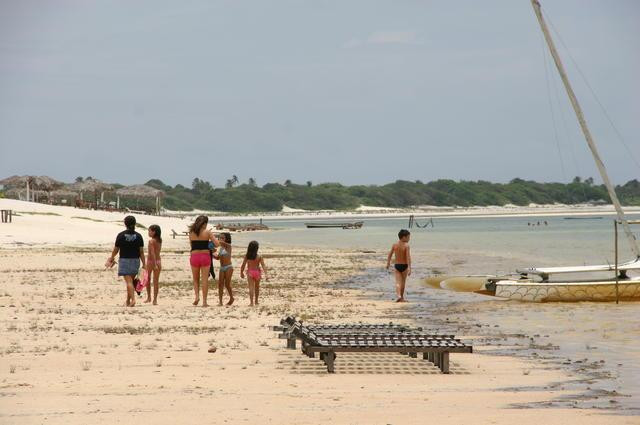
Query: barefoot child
[
  {"x": 131, "y": 247},
  {"x": 226, "y": 268},
  {"x": 402, "y": 262},
  {"x": 153, "y": 261},
  {"x": 253, "y": 262}
]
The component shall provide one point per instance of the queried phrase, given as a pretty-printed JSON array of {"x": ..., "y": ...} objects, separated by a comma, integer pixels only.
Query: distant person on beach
[
  {"x": 402, "y": 264},
  {"x": 253, "y": 262},
  {"x": 130, "y": 245},
  {"x": 226, "y": 268},
  {"x": 154, "y": 265},
  {"x": 200, "y": 259}
]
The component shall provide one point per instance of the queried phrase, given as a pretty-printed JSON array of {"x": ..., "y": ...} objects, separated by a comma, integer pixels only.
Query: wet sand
[{"x": 598, "y": 344}]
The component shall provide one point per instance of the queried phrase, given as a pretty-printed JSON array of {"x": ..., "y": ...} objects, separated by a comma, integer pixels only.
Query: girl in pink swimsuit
[
  {"x": 253, "y": 262},
  {"x": 153, "y": 261}
]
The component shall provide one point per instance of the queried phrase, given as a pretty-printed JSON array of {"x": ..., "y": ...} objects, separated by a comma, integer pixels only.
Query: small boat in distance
[{"x": 332, "y": 225}]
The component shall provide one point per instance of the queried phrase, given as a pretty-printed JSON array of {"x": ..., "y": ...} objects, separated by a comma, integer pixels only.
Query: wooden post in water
[{"x": 615, "y": 231}]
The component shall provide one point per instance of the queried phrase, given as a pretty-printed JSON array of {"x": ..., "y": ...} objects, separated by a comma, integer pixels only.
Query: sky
[{"x": 356, "y": 92}]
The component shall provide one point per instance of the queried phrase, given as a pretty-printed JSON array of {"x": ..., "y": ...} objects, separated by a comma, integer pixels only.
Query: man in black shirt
[{"x": 131, "y": 247}]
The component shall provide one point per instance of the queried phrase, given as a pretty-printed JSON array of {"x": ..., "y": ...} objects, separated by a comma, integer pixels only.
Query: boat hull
[
  {"x": 567, "y": 292},
  {"x": 355, "y": 225}
]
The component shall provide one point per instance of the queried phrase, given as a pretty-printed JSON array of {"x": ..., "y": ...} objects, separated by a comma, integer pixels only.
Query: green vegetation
[
  {"x": 250, "y": 197},
  {"x": 36, "y": 213},
  {"x": 89, "y": 218}
]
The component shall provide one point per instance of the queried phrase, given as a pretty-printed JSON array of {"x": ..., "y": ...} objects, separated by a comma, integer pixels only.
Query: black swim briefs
[{"x": 401, "y": 267}]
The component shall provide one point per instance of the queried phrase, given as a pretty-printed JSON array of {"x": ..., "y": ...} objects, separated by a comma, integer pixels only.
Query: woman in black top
[
  {"x": 131, "y": 247},
  {"x": 200, "y": 258}
]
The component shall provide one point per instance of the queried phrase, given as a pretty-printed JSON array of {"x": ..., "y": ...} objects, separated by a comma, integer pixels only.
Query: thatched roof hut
[
  {"x": 29, "y": 187},
  {"x": 34, "y": 182},
  {"x": 46, "y": 183},
  {"x": 141, "y": 191},
  {"x": 16, "y": 181},
  {"x": 90, "y": 185}
]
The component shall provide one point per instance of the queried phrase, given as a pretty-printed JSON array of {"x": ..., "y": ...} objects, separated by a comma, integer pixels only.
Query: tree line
[{"x": 249, "y": 197}]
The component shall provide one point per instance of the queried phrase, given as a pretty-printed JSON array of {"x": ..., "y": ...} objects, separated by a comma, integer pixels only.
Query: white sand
[{"x": 71, "y": 354}]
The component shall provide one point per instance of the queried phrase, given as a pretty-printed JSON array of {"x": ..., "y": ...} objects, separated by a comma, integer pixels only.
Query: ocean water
[
  {"x": 560, "y": 241},
  {"x": 598, "y": 343}
]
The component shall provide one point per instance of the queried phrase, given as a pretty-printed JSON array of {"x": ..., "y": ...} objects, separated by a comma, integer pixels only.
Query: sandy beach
[{"x": 71, "y": 353}]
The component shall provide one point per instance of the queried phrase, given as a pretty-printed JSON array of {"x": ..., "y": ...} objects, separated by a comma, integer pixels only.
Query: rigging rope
[
  {"x": 553, "y": 117},
  {"x": 593, "y": 93},
  {"x": 547, "y": 65}
]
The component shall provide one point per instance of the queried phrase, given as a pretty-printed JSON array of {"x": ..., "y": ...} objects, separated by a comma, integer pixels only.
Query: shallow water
[{"x": 598, "y": 342}]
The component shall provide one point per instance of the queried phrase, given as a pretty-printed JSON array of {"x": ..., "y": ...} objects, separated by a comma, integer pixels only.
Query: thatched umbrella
[
  {"x": 33, "y": 186},
  {"x": 90, "y": 185},
  {"x": 140, "y": 191},
  {"x": 46, "y": 183},
  {"x": 17, "y": 182}
]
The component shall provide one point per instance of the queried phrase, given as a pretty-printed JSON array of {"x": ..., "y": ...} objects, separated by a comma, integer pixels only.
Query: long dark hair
[
  {"x": 130, "y": 222},
  {"x": 252, "y": 250},
  {"x": 196, "y": 227},
  {"x": 227, "y": 237},
  {"x": 157, "y": 232}
]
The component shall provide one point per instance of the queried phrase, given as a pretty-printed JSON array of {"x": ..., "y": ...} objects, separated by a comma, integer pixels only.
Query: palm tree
[
  {"x": 309, "y": 183},
  {"x": 229, "y": 184},
  {"x": 234, "y": 180},
  {"x": 287, "y": 182},
  {"x": 252, "y": 181}
]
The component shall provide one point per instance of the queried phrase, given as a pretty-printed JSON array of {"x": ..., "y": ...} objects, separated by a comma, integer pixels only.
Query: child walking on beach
[
  {"x": 253, "y": 262},
  {"x": 153, "y": 262},
  {"x": 130, "y": 245},
  {"x": 226, "y": 268},
  {"x": 402, "y": 264}
]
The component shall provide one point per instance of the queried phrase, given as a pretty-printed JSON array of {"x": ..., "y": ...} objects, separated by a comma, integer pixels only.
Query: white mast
[{"x": 587, "y": 134}]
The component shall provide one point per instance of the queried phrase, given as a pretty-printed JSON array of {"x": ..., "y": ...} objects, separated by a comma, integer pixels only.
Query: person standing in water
[
  {"x": 130, "y": 245},
  {"x": 402, "y": 266}
]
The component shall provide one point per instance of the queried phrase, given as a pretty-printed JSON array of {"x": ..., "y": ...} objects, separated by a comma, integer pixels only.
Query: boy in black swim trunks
[{"x": 402, "y": 264}]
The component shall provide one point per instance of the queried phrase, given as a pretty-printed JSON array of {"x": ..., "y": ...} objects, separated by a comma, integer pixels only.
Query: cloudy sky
[{"x": 349, "y": 91}]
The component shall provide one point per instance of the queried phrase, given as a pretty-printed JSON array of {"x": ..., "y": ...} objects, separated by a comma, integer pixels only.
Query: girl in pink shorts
[{"x": 200, "y": 259}]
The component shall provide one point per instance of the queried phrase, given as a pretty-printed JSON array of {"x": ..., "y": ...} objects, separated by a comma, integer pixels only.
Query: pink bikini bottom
[{"x": 254, "y": 274}]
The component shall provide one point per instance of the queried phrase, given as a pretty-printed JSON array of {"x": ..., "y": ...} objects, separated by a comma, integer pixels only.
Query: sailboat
[{"x": 535, "y": 284}]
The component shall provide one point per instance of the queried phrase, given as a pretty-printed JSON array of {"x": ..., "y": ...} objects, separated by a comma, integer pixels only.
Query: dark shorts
[
  {"x": 401, "y": 267},
  {"x": 128, "y": 266}
]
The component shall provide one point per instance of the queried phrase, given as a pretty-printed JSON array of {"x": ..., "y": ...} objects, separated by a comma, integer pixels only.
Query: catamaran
[{"x": 535, "y": 284}]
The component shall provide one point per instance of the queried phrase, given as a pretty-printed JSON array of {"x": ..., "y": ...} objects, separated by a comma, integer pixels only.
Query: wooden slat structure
[
  {"x": 327, "y": 340},
  {"x": 7, "y": 215}
]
